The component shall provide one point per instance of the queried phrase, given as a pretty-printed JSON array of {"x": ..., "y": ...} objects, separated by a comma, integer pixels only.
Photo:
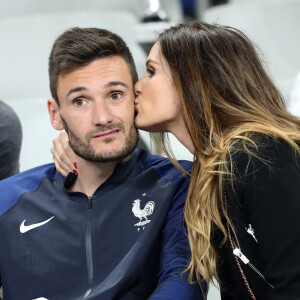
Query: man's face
[{"x": 97, "y": 109}]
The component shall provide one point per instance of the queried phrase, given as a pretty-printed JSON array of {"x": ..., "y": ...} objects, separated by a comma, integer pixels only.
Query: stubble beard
[{"x": 84, "y": 149}]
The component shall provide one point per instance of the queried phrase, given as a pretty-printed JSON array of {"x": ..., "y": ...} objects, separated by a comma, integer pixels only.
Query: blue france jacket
[{"x": 128, "y": 241}]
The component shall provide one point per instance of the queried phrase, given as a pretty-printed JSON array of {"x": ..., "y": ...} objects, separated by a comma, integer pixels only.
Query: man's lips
[{"x": 108, "y": 133}]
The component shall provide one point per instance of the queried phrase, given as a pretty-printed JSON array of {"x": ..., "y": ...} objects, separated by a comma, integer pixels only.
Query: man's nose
[{"x": 102, "y": 113}]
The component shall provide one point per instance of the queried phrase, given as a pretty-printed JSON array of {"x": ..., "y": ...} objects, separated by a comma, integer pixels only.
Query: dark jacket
[
  {"x": 267, "y": 196},
  {"x": 121, "y": 243},
  {"x": 10, "y": 141}
]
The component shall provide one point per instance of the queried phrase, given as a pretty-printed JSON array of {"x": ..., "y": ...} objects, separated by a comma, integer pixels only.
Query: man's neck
[{"x": 91, "y": 175}]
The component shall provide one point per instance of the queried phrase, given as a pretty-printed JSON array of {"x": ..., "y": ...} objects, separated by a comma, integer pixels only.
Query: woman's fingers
[
  {"x": 63, "y": 155},
  {"x": 67, "y": 155},
  {"x": 60, "y": 166}
]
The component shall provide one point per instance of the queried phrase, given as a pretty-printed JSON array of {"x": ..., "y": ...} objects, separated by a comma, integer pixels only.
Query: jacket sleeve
[
  {"x": 175, "y": 255},
  {"x": 271, "y": 197}
]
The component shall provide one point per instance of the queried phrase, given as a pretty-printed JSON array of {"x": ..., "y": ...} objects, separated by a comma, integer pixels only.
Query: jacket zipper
[
  {"x": 237, "y": 252},
  {"x": 88, "y": 246}
]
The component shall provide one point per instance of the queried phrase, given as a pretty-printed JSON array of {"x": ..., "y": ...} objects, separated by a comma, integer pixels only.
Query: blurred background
[{"x": 29, "y": 27}]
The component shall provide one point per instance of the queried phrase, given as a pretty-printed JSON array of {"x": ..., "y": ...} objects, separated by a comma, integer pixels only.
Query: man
[
  {"x": 10, "y": 141},
  {"x": 115, "y": 231}
]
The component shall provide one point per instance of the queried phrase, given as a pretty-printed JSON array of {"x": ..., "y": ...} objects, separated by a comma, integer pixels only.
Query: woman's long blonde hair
[{"x": 226, "y": 96}]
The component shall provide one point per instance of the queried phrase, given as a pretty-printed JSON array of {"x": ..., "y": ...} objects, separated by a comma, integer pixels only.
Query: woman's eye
[
  {"x": 79, "y": 102},
  {"x": 150, "y": 72},
  {"x": 116, "y": 96}
]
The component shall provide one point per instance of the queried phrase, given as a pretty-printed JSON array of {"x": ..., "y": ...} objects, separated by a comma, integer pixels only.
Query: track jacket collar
[{"x": 123, "y": 170}]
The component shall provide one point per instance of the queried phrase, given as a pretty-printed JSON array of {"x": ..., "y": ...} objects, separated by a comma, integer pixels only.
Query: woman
[{"x": 206, "y": 85}]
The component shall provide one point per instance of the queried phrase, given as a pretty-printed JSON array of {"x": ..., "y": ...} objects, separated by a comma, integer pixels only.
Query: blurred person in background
[
  {"x": 206, "y": 85},
  {"x": 10, "y": 141}
]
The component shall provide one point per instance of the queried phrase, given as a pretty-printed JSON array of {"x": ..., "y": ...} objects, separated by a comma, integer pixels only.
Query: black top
[{"x": 267, "y": 196}]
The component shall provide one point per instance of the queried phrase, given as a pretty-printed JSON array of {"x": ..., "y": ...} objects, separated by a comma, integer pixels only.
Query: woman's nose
[{"x": 138, "y": 87}]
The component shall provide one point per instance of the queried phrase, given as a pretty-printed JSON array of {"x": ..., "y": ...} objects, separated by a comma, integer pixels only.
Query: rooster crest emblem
[{"x": 142, "y": 213}]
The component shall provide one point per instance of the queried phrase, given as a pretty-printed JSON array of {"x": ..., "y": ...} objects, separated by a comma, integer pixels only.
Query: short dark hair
[{"x": 78, "y": 47}]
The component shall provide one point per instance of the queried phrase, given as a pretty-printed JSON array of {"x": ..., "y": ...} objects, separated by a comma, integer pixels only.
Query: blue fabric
[
  {"x": 177, "y": 287},
  {"x": 167, "y": 171},
  {"x": 175, "y": 249},
  {"x": 13, "y": 187},
  {"x": 129, "y": 260}
]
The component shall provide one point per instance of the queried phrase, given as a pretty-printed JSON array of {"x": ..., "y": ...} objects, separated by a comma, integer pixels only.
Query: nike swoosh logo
[
  {"x": 41, "y": 298},
  {"x": 24, "y": 228}
]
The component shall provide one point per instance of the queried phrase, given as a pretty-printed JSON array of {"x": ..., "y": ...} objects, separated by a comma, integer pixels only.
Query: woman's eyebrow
[{"x": 151, "y": 61}]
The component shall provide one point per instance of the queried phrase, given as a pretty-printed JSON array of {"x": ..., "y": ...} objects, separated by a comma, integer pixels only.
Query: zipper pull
[
  {"x": 250, "y": 230},
  {"x": 237, "y": 252},
  {"x": 89, "y": 202}
]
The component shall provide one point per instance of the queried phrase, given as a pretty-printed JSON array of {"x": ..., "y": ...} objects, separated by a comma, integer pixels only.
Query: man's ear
[{"x": 53, "y": 110}]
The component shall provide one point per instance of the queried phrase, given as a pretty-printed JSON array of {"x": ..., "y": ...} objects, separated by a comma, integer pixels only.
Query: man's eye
[
  {"x": 116, "y": 96},
  {"x": 79, "y": 102}
]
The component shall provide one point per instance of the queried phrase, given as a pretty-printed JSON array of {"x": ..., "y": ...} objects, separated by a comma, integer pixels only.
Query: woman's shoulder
[
  {"x": 261, "y": 156},
  {"x": 261, "y": 150}
]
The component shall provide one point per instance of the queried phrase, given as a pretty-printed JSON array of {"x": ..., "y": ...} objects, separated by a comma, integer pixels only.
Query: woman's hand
[{"x": 63, "y": 155}]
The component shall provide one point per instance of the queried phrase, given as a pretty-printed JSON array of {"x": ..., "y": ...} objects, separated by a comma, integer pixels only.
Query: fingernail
[
  {"x": 75, "y": 165},
  {"x": 75, "y": 172}
]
